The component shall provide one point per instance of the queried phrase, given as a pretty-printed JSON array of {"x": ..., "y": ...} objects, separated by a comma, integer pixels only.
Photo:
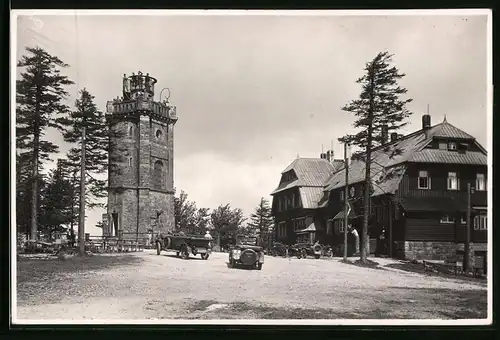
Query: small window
[
  {"x": 341, "y": 226},
  {"x": 480, "y": 182},
  {"x": 447, "y": 219},
  {"x": 452, "y": 146},
  {"x": 282, "y": 229},
  {"x": 424, "y": 182},
  {"x": 299, "y": 224},
  {"x": 443, "y": 146},
  {"x": 131, "y": 131},
  {"x": 130, "y": 161},
  {"x": 329, "y": 227},
  {"x": 452, "y": 181},
  {"x": 480, "y": 222},
  {"x": 342, "y": 194},
  {"x": 158, "y": 134},
  {"x": 352, "y": 191}
]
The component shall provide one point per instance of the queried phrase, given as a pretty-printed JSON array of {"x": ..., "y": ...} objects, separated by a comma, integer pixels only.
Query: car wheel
[
  {"x": 259, "y": 266},
  {"x": 204, "y": 256},
  {"x": 158, "y": 248},
  {"x": 177, "y": 254},
  {"x": 184, "y": 253},
  {"x": 317, "y": 256}
]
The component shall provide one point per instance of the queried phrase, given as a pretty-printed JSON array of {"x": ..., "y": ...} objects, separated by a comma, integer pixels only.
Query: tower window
[
  {"x": 158, "y": 175},
  {"x": 158, "y": 133},
  {"x": 130, "y": 161},
  {"x": 131, "y": 131}
]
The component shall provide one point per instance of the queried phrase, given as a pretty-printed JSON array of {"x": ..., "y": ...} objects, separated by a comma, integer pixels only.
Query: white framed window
[
  {"x": 447, "y": 219},
  {"x": 352, "y": 191},
  {"x": 452, "y": 181},
  {"x": 342, "y": 194},
  {"x": 480, "y": 222},
  {"x": 329, "y": 227},
  {"x": 341, "y": 226},
  {"x": 282, "y": 229},
  {"x": 424, "y": 181},
  {"x": 130, "y": 161},
  {"x": 299, "y": 224},
  {"x": 443, "y": 146},
  {"x": 480, "y": 182},
  {"x": 452, "y": 146}
]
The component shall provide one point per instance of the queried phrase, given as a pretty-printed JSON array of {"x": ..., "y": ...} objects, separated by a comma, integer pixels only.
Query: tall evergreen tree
[
  {"x": 96, "y": 146},
  {"x": 261, "y": 221},
  {"x": 57, "y": 201},
  {"x": 379, "y": 105},
  {"x": 39, "y": 100}
]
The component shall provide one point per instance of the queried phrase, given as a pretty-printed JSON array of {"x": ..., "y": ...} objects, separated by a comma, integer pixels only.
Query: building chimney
[
  {"x": 394, "y": 136},
  {"x": 322, "y": 155},
  {"x": 426, "y": 122},
  {"x": 329, "y": 156},
  {"x": 384, "y": 133}
]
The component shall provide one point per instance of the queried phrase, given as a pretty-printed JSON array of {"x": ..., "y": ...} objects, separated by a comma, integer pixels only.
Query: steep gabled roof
[
  {"x": 309, "y": 196},
  {"x": 309, "y": 172},
  {"x": 387, "y": 167}
]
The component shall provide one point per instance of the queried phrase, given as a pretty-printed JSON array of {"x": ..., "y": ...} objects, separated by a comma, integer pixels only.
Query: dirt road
[{"x": 146, "y": 286}]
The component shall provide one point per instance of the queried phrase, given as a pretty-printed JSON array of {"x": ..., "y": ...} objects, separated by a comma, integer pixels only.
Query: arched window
[
  {"x": 158, "y": 134},
  {"x": 131, "y": 131},
  {"x": 158, "y": 175}
]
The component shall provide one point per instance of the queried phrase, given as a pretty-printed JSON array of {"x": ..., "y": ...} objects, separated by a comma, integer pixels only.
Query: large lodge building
[{"x": 418, "y": 201}]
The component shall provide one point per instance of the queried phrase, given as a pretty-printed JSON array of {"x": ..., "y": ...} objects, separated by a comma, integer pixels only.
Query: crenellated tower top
[{"x": 138, "y": 97}]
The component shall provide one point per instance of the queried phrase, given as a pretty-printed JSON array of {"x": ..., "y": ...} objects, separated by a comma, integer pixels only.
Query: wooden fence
[{"x": 124, "y": 242}]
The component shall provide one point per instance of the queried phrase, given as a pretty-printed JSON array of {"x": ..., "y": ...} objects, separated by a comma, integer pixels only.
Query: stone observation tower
[{"x": 141, "y": 161}]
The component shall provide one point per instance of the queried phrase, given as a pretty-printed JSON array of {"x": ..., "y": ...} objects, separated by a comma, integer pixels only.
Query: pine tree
[
  {"x": 96, "y": 147},
  {"x": 39, "y": 99},
  {"x": 57, "y": 199},
  {"x": 379, "y": 105},
  {"x": 261, "y": 221}
]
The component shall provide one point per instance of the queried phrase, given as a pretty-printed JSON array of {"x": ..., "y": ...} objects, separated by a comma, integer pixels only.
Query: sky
[{"x": 253, "y": 92}]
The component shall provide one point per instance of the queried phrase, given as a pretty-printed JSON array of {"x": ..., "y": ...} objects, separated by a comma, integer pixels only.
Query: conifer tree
[
  {"x": 261, "y": 221},
  {"x": 40, "y": 93},
  {"x": 379, "y": 105}
]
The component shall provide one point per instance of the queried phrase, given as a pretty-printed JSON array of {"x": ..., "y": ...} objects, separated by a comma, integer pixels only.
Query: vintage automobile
[
  {"x": 302, "y": 250},
  {"x": 245, "y": 254},
  {"x": 184, "y": 245},
  {"x": 278, "y": 249}
]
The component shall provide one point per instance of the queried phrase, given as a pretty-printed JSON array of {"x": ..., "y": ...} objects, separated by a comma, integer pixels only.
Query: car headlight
[{"x": 236, "y": 254}]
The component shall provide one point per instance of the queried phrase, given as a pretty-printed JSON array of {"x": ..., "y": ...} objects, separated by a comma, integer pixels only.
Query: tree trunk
[
  {"x": 81, "y": 225},
  {"x": 34, "y": 185},
  {"x": 364, "y": 237}
]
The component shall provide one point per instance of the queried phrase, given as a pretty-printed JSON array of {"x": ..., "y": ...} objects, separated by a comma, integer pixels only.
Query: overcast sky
[{"x": 253, "y": 92}]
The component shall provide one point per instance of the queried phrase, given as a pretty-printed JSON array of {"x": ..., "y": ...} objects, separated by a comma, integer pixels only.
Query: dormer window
[
  {"x": 452, "y": 146},
  {"x": 443, "y": 146}
]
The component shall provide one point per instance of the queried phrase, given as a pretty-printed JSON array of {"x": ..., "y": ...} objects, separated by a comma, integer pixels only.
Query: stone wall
[
  {"x": 422, "y": 250},
  {"x": 161, "y": 201}
]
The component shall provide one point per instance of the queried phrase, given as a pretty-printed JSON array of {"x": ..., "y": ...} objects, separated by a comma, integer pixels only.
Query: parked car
[
  {"x": 246, "y": 255},
  {"x": 184, "y": 245},
  {"x": 278, "y": 249},
  {"x": 302, "y": 250}
]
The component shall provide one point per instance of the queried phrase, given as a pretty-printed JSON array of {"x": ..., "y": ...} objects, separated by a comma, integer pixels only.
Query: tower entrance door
[{"x": 114, "y": 229}]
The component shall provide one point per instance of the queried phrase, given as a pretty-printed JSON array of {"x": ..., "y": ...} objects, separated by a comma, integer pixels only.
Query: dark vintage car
[
  {"x": 184, "y": 245},
  {"x": 246, "y": 255},
  {"x": 302, "y": 250}
]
